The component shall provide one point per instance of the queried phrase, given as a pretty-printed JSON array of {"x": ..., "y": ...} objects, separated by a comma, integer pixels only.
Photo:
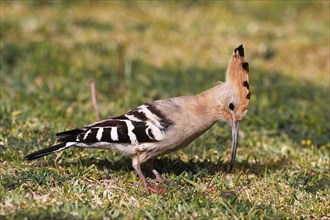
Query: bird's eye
[{"x": 231, "y": 106}]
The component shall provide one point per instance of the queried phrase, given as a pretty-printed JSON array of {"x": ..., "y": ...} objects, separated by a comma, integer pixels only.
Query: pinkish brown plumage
[{"x": 163, "y": 126}]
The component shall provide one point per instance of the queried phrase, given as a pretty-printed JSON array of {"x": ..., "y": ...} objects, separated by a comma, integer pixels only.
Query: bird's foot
[
  {"x": 150, "y": 187},
  {"x": 156, "y": 189}
]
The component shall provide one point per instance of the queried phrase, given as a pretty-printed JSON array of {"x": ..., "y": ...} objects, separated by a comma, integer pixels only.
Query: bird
[{"x": 163, "y": 126}]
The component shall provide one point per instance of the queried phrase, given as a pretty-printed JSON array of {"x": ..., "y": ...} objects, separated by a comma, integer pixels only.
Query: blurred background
[
  {"x": 138, "y": 51},
  {"x": 51, "y": 49}
]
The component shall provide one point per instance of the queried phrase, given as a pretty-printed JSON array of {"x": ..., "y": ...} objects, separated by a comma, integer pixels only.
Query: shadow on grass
[
  {"x": 176, "y": 166},
  {"x": 42, "y": 175},
  {"x": 309, "y": 182}
]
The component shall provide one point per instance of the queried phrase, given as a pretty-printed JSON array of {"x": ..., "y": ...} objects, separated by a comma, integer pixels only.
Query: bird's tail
[{"x": 47, "y": 151}]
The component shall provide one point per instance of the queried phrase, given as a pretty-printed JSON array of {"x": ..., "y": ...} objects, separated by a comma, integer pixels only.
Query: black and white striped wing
[{"x": 144, "y": 124}]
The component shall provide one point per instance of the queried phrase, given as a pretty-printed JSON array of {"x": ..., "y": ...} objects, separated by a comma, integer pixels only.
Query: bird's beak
[{"x": 234, "y": 127}]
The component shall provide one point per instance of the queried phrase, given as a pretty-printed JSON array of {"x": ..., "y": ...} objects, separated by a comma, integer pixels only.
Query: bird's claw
[
  {"x": 156, "y": 189},
  {"x": 151, "y": 188}
]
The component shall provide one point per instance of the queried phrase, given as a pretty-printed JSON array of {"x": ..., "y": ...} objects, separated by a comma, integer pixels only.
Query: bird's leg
[
  {"x": 159, "y": 177},
  {"x": 137, "y": 168},
  {"x": 148, "y": 186}
]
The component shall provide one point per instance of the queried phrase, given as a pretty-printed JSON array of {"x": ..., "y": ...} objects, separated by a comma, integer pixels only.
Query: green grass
[{"x": 50, "y": 51}]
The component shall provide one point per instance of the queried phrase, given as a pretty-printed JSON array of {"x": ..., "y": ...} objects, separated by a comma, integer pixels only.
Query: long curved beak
[{"x": 234, "y": 131}]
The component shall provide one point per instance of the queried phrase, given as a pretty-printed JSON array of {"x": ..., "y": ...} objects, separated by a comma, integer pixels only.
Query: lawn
[{"x": 51, "y": 50}]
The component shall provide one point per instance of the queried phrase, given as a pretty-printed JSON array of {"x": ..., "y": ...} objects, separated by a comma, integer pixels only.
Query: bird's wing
[{"x": 145, "y": 123}]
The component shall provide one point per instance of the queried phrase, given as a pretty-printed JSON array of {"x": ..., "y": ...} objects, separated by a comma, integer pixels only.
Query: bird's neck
[{"x": 213, "y": 101}]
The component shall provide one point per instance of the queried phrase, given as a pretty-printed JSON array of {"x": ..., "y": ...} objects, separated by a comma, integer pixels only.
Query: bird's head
[{"x": 236, "y": 94}]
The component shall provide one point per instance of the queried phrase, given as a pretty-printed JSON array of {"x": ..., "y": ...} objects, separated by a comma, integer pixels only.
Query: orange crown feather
[{"x": 237, "y": 75}]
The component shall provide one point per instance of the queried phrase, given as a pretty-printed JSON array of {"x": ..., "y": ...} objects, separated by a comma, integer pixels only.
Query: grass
[{"x": 49, "y": 52}]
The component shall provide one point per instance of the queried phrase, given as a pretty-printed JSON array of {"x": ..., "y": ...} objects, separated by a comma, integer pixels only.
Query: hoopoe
[{"x": 163, "y": 126}]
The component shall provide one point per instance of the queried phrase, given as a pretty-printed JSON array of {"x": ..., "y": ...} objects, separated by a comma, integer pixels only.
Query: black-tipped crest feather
[
  {"x": 245, "y": 66},
  {"x": 240, "y": 50}
]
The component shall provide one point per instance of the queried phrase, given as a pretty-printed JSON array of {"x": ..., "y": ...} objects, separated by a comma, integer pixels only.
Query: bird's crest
[{"x": 237, "y": 75}]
